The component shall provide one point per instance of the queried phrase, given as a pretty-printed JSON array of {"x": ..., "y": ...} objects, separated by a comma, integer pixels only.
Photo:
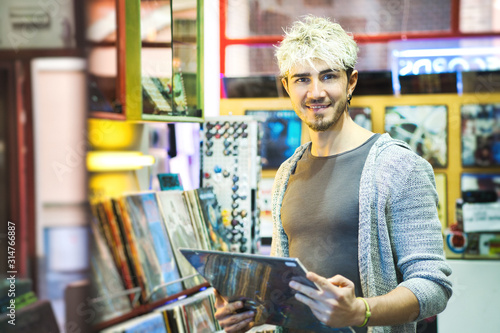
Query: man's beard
[{"x": 321, "y": 122}]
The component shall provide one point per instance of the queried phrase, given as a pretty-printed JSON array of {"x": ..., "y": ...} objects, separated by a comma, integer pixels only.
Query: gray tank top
[{"x": 320, "y": 212}]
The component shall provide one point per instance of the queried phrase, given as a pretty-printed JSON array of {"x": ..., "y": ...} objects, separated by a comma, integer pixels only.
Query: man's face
[{"x": 318, "y": 93}]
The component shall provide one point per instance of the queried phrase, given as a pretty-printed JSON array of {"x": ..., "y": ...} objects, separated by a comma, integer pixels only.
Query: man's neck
[{"x": 344, "y": 136}]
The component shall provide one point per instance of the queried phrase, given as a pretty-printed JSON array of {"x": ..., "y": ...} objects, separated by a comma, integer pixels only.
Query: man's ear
[
  {"x": 284, "y": 82},
  {"x": 353, "y": 80}
]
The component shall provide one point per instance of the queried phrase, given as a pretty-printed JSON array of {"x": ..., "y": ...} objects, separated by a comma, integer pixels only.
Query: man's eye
[
  {"x": 329, "y": 77},
  {"x": 301, "y": 79}
]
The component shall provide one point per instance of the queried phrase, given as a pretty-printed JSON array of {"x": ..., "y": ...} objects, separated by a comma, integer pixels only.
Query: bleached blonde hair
[{"x": 316, "y": 38}]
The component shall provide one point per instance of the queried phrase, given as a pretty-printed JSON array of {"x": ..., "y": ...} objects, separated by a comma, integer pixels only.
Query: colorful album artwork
[
  {"x": 423, "y": 127},
  {"x": 155, "y": 253},
  {"x": 362, "y": 116},
  {"x": 280, "y": 135},
  {"x": 443, "y": 199},
  {"x": 480, "y": 135},
  {"x": 157, "y": 95},
  {"x": 180, "y": 230},
  {"x": 199, "y": 316},
  {"x": 480, "y": 182}
]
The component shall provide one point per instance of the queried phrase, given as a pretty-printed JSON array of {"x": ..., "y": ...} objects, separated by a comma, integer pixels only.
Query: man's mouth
[{"x": 318, "y": 106}]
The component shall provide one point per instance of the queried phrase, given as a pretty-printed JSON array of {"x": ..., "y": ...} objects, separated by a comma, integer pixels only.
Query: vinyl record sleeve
[
  {"x": 155, "y": 254},
  {"x": 180, "y": 230},
  {"x": 261, "y": 282}
]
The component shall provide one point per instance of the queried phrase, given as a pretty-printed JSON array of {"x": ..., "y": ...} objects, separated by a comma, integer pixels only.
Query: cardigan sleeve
[
  {"x": 279, "y": 243},
  {"x": 417, "y": 240}
]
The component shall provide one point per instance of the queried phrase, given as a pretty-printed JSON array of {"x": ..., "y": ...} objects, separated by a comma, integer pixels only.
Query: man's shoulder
[
  {"x": 387, "y": 147},
  {"x": 385, "y": 141},
  {"x": 395, "y": 154}
]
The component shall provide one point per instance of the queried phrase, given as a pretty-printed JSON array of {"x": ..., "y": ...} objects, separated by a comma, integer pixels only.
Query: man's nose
[{"x": 316, "y": 90}]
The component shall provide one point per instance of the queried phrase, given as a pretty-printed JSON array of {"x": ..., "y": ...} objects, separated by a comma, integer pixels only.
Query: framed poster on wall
[
  {"x": 280, "y": 133},
  {"x": 423, "y": 127},
  {"x": 480, "y": 135}
]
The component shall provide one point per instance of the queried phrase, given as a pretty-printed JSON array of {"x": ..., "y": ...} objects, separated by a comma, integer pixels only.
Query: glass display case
[
  {"x": 103, "y": 78},
  {"x": 145, "y": 60}
]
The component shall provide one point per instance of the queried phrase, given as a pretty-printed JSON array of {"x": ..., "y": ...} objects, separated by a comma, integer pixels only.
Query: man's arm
[
  {"x": 397, "y": 307},
  {"x": 337, "y": 306},
  {"x": 417, "y": 241}
]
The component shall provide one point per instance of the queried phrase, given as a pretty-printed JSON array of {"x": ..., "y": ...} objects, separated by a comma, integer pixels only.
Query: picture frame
[
  {"x": 280, "y": 135},
  {"x": 423, "y": 127},
  {"x": 480, "y": 135}
]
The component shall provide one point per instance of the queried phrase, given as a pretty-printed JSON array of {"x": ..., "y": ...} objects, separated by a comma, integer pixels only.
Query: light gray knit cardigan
[{"x": 400, "y": 240}]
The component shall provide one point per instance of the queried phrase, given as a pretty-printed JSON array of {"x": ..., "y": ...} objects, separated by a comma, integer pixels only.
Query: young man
[{"x": 358, "y": 209}]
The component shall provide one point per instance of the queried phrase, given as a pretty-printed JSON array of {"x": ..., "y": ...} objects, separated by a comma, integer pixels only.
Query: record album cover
[
  {"x": 105, "y": 280},
  {"x": 155, "y": 252},
  {"x": 212, "y": 217},
  {"x": 199, "y": 316},
  {"x": 192, "y": 203},
  {"x": 480, "y": 135},
  {"x": 261, "y": 283},
  {"x": 423, "y": 127},
  {"x": 181, "y": 232}
]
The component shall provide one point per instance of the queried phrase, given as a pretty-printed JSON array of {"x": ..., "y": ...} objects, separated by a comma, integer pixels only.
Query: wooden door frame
[{"x": 20, "y": 168}]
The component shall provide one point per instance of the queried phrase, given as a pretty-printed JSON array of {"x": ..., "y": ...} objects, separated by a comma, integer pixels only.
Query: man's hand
[
  {"x": 229, "y": 319},
  {"x": 335, "y": 304}
]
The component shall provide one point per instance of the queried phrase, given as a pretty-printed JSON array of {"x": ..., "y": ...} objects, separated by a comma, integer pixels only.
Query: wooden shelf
[{"x": 145, "y": 308}]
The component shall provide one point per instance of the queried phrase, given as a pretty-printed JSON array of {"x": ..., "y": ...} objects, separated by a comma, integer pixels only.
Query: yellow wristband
[{"x": 368, "y": 314}]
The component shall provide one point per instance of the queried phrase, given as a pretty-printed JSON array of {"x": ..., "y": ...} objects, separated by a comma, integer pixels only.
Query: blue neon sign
[
  {"x": 443, "y": 56},
  {"x": 414, "y": 62}
]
